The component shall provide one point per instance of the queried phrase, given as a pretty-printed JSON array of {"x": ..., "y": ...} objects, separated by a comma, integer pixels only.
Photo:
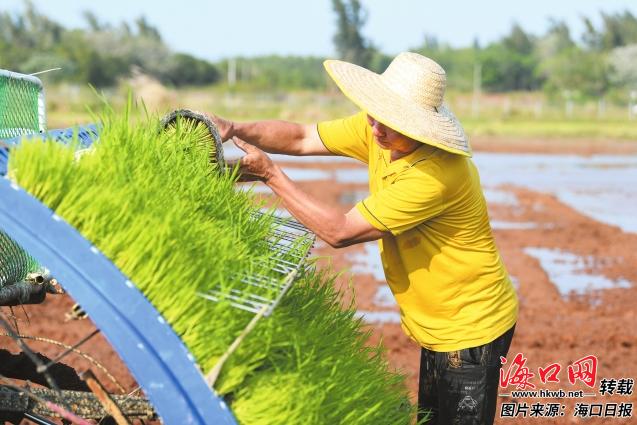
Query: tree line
[
  {"x": 602, "y": 61},
  {"x": 100, "y": 55}
]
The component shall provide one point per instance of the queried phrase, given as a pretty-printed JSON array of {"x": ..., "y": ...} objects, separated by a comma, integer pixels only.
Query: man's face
[{"x": 388, "y": 138}]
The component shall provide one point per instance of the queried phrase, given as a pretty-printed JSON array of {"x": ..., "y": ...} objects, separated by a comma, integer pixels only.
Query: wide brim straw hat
[{"x": 407, "y": 97}]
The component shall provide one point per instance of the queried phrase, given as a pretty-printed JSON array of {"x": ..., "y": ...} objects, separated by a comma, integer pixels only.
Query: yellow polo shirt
[{"x": 440, "y": 260}]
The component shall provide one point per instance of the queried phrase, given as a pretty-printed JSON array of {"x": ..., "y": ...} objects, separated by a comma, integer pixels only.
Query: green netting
[
  {"x": 15, "y": 263},
  {"x": 21, "y": 105},
  {"x": 21, "y": 112}
]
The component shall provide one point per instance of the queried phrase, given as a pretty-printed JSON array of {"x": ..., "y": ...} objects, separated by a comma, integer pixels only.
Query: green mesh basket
[
  {"x": 15, "y": 263},
  {"x": 22, "y": 107},
  {"x": 22, "y": 112}
]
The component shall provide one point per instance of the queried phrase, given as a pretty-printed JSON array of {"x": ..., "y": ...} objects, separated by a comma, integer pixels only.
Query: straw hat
[{"x": 407, "y": 97}]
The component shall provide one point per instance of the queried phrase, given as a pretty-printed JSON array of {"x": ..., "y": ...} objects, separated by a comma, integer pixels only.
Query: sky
[{"x": 217, "y": 29}]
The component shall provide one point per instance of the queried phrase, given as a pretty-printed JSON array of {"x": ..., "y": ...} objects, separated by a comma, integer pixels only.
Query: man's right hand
[
  {"x": 225, "y": 127},
  {"x": 273, "y": 136}
]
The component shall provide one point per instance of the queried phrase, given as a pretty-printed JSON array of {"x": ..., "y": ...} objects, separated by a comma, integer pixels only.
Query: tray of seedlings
[{"x": 148, "y": 233}]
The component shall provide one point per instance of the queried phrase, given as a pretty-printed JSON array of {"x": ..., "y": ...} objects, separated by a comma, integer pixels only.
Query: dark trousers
[{"x": 461, "y": 387}]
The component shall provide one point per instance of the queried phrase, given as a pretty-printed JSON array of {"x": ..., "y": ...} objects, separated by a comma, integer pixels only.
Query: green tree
[
  {"x": 623, "y": 64},
  {"x": 578, "y": 71},
  {"x": 100, "y": 55},
  {"x": 184, "y": 69},
  {"x": 279, "y": 72},
  {"x": 348, "y": 40},
  {"x": 619, "y": 29},
  {"x": 511, "y": 63},
  {"x": 506, "y": 70},
  {"x": 457, "y": 63},
  {"x": 518, "y": 41},
  {"x": 147, "y": 30},
  {"x": 556, "y": 40},
  {"x": 26, "y": 34},
  {"x": 93, "y": 21}
]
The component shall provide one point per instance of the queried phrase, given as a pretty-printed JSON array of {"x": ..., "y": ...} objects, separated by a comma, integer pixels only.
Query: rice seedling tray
[
  {"x": 284, "y": 239},
  {"x": 178, "y": 261},
  {"x": 155, "y": 355}
]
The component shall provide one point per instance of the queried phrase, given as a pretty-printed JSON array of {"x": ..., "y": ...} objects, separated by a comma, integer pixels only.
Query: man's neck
[{"x": 395, "y": 155}]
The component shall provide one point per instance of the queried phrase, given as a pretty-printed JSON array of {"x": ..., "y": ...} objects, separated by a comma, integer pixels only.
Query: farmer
[{"x": 427, "y": 211}]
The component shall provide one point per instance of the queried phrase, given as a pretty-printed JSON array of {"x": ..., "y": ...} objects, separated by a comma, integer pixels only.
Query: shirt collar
[{"x": 422, "y": 153}]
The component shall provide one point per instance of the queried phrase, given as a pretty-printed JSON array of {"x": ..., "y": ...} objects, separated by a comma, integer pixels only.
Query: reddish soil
[
  {"x": 550, "y": 329},
  {"x": 574, "y": 145}
]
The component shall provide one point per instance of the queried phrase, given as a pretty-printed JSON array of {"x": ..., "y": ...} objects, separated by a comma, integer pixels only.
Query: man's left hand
[{"x": 256, "y": 164}]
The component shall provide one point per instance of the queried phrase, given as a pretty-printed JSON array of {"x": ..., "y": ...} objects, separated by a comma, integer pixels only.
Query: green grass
[
  {"x": 511, "y": 115},
  {"x": 154, "y": 207}
]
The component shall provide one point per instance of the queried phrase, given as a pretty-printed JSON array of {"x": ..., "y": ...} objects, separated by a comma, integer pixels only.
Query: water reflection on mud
[
  {"x": 515, "y": 225},
  {"x": 571, "y": 273},
  {"x": 352, "y": 197},
  {"x": 381, "y": 317},
  {"x": 368, "y": 261},
  {"x": 601, "y": 187},
  {"x": 499, "y": 196},
  {"x": 595, "y": 186},
  {"x": 598, "y": 186},
  {"x": 384, "y": 297}
]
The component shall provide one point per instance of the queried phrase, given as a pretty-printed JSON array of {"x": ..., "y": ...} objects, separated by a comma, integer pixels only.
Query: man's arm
[
  {"x": 337, "y": 229},
  {"x": 331, "y": 225},
  {"x": 274, "y": 136}
]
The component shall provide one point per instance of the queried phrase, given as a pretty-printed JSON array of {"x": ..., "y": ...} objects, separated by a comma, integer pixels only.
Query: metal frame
[
  {"x": 154, "y": 354},
  {"x": 285, "y": 234},
  {"x": 86, "y": 136}
]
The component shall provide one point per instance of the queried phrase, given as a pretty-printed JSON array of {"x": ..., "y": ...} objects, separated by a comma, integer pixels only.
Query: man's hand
[
  {"x": 255, "y": 163},
  {"x": 225, "y": 127},
  {"x": 274, "y": 136}
]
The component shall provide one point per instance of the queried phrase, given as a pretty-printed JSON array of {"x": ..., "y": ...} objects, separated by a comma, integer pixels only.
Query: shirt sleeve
[
  {"x": 412, "y": 199},
  {"x": 347, "y": 136}
]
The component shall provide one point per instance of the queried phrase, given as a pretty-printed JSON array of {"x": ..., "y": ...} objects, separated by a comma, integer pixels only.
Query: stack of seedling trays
[{"x": 209, "y": 301}]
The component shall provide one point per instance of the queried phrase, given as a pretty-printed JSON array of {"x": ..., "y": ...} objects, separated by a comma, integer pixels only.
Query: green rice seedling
[
  {"x": 202, "y": 134},
  {"x": 199, "y": 132},
  {"x": 317, "y": 352},
  {"x": 150, "y": 202}
]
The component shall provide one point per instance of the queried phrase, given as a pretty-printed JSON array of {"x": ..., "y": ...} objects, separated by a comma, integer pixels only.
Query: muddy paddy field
[{"x": 564, "y": 215}]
